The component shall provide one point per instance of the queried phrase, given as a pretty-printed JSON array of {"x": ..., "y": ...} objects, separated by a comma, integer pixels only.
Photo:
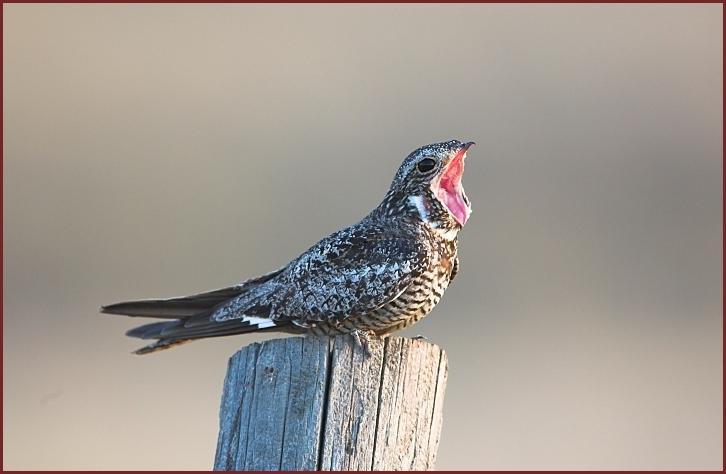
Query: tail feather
[
  {"x": 171, "y": 333},
  {"x": 160, "y": 346},
  {"x": 177, "y": 329},
  {"x": 151, "y": 330}
]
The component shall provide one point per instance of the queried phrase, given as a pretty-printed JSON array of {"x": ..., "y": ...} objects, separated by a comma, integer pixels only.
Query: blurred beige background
[{"x": 159, "y": 150}]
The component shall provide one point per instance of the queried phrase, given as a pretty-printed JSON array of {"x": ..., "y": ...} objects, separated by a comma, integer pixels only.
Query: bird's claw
[
  {"x": 419, "y": 337},
  {"x": 363, "y": 339}
]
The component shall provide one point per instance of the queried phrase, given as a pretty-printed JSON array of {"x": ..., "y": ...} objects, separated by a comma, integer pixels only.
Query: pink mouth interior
[{"x": 450, "y": 192}]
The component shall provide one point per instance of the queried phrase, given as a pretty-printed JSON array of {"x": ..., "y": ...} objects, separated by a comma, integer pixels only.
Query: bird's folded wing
[
  {"x": 186, "y": 306},
  {"x": 349, "y": 273}
]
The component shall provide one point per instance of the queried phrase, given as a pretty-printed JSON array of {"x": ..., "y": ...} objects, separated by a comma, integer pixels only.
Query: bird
[{"x": 377, "y": 276}]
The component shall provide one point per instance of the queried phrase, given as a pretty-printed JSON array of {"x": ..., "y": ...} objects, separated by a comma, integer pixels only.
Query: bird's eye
[{"x": 427, "y": 164}]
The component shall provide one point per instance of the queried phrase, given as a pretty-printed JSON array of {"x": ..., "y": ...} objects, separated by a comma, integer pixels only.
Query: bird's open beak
[{"x": 448, "y": 189}]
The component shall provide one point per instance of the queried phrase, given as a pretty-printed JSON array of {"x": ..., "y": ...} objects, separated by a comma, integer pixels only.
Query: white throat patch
[{"x": 418, "y": 203}]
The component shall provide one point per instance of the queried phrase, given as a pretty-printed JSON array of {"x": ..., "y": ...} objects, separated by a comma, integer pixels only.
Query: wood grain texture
[{"x": 306, "y": 403}]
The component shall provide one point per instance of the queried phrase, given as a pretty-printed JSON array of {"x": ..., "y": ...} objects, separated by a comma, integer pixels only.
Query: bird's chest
[
  {"x": 430, "y": 286},
  {"x": 423, "y": 294}
]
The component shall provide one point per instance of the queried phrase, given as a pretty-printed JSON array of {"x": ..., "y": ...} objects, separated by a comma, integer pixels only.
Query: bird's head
[{"x": 428, "y": 184}]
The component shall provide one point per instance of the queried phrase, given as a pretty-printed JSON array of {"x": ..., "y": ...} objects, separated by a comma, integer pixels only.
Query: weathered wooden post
[{"x": 306, "y": 403}]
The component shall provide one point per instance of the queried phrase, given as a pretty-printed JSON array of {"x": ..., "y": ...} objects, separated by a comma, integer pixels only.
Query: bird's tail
[{"x": 188, "y": 317}]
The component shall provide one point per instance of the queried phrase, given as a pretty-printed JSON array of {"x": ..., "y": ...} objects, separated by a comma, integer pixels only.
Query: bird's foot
[
  {"x": 363, "y": 339},
  {"x": 421, "y": 338}
]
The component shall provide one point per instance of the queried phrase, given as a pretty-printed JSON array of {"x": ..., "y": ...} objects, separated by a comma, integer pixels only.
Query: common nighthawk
[{"x": 377, "y": 276}]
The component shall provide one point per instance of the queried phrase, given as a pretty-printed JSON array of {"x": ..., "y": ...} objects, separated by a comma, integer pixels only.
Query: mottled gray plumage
[{"x": 374, "y": 277}]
